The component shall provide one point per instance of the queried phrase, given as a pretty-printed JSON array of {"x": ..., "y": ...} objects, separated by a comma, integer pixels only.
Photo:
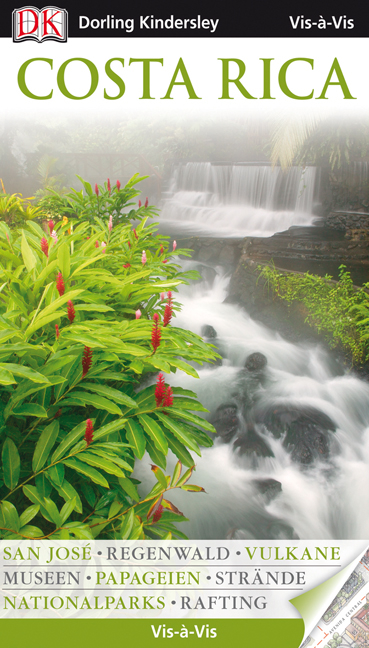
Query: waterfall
[
  {"x": 326, "y": 497},
  {"x": 239, "y": 200}
]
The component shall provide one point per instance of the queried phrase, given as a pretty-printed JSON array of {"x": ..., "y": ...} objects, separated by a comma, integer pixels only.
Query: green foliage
[
  {"x": 76, "y": 411},
  {"x": 335, "y": 308},
  {"x": 101, "y": 202}
]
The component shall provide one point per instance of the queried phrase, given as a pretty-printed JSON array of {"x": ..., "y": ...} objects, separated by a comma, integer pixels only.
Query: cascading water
[
  {"x": 260, "y": 479},
  {"x": 239, "y": 200}
]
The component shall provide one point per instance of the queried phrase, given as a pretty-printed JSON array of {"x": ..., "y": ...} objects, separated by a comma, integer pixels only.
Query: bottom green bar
[{"x": 104, "y": 633}]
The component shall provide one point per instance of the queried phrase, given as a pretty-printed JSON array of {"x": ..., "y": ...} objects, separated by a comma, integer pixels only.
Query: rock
[
  {"x": 208, "y": 331},
  {"x": 252, "y": 443},
  {"x": 256, "y": 361},
  {"x": 226, "y": 421},
  {"x": 306, "y": 431},
  {"x": 269, "y": 488}
]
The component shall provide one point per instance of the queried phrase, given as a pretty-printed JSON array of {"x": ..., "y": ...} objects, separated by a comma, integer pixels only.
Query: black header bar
[{"x": 232, "y": 19}]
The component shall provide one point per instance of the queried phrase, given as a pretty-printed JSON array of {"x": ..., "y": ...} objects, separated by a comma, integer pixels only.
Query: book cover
[{"x": 184, "y": 217}]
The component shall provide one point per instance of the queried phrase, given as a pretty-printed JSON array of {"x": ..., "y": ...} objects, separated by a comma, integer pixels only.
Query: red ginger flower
[
  {"x": 118, "y": 185},
  {"x": 89, "y": 434},
  {"x": 155, "y": 333},
  {"x": 139, "y": 203},
  {"x": 86, "y": 360},
  {"x": 127, "y": 265},
  {"x": 96, "y": 190},
  {"x": 161, "y": 250},
  {"x": 158, "y": 513},
  {"x": 51, "y": 225},
  {"x": 57, "y": 332},
  {"x": 159, "y": 390},
  {"x": 96, "y": 244},
  {"x": 71, "y": 312},
  {"x": 168, "y": 398},
  {"x": 109, "y": 186},
  {"x": 146, "y": 202},
  {"x": 45, "y": 246},
  {"x": 135, "y": 233},
  {"x": 168, "y": 313},
  {"x": 60, "y": 284}
]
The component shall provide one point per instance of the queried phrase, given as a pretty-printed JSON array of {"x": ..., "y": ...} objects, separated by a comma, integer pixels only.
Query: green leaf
[
  {"x": 30, "y": 409},
  {"x": 154, "y": 431},
  {"x": 137, "y": 366},
  {"x": 155, "y": 454},
  {"x": 28, "y": 257},
  {"x": 110, "y": 428},
  {"x": 31, "y": 531},
  {"x": 11, "y": 464},
  {"x": 68, "y": 492},
  {"x": 130, "y": 488},
  {"x": 67, "y": 509},
  {"x": 29, "y": 514},
  {"x": 109, "y": 392},
  {"x": 111, "y": 457},
  {"x": 53, "y": 511},
  {"x": 10, "y": 515},
  {"x": 127, "y": 524},
  {"x": 64, "y": 260},
  {"x": 176, "y": 473},
  {"x": 179, "y": 450},
  {"x": 100, "y": 462},
  {"x": 95, "y": 401},
  {"x": 159, "y": 363},
  {"x": 44, "y": 445},
  {"x": 6, "y": 377},
  {"x": 25, "y": 372},
  {"x": 114, "y": 509},
  {"x": 136, "y": 438},
  {"x": 90, "y": 472},
  {"x": 180, "y": 364},
  {"x": 69, "y": 440},
  {"x": 180, "y": 432},
  {"x": 32, "y": 493},
  {"x": 56, "y": 474},
  {"x": 159, "y": 476},
  {"x": 194, "y": 419}
]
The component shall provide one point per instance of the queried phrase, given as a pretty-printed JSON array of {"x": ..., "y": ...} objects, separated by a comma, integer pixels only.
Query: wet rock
[
  {"x": 208, "y": 331},
  {"x": 306, "y": 431},
  {"x": 269, "y": 488},
  {"x": 256, "y": 361},
  {"x": 226, "y": 421},
  {"x": 252, "y": 443}
]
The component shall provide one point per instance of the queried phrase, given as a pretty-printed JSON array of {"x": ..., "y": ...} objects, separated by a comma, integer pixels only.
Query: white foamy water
[{"x": 235, "y": 200}]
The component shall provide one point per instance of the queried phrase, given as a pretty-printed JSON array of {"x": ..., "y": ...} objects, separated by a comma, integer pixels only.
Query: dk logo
[{"x": 49, "y": 23}]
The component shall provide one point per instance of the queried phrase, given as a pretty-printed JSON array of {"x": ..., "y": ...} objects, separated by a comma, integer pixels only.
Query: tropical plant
[
  {"x": 86, "y": 321},
  {"x": 337, "y": 309}
]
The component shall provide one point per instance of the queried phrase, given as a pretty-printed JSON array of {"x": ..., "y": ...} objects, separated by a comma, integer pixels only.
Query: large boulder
[
  {"x": 252, "y": 444},
  {"x": 256, "y": 361},
  {"x": 226, "y": 421},
  {"x": 306, "y": 430}
]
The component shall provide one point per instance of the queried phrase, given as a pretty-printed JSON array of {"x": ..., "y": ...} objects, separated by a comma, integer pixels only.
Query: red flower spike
[
  {"x": 45, "y": 247},
  {"x": 139, "y": 203},
  {"x": 159, "y": 390},
  {"x": 118, "y": 185},
  {"x": 129, "y": 245},
  {"x": 168, "y": 398},
  {"x": 71, "y": 312},
  {"x": 60, "y": 284},
  {"x": 96, "y": 244},
  {"x": 158, "y": 513},
  {"x": 86, "y": 360},
  {"x": 96, "y": 190},
  {"x": 57, "y": 332},
  {"x": 155, "y": 333},
  {"x": 109, "y": 186},
  {"x": 51, "y": 226},
  {"x": 127, "y": 265},
  {"x": 89, "y": 434},
  {"x": 165, "y": 261},
  {"x": 161, "y": 250},
  {"x": 146, "y": 202},
  {"x": 135, "y": 233}
]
